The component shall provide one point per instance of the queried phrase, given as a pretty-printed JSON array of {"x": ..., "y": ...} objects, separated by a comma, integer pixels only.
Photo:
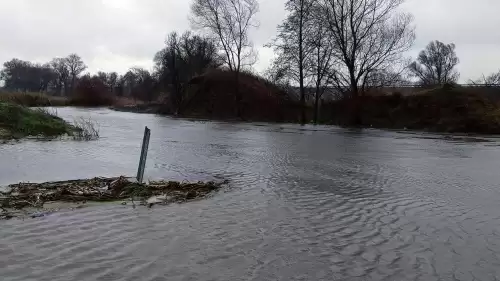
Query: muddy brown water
[{"x": 306, "y": 203}]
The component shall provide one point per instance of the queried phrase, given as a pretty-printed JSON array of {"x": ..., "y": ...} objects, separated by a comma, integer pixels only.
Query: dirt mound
[
  {"x": 446, "y": 109},
  {"x": 213, "y": 95}
]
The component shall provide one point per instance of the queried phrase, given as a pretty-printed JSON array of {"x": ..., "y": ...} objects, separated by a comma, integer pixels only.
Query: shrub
[
  {"x": 91, "y": 91},
  {"x": 85, "y": 129},
  {"x": 213, "y": 95},
  {"x": 444, "y": 109}
]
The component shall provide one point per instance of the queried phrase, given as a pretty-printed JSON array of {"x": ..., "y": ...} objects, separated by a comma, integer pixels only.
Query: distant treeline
[
  {"x": 351, "y": 46},
  {"x": 182, "y": 58}
]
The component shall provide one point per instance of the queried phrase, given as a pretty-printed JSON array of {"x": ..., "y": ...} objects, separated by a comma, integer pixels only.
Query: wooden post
[{"x": 144, "y": 154}]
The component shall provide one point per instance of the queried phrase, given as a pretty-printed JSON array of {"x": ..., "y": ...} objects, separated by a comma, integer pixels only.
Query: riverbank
[
  {"x": 33, "y": 99},
  {"x": 45, "y": 100},
  {"x": 441, "y": 110},
  {"x": 287, "y": 186},
  {"x": 211, "y": 95},
  {"x": 18, "y": 122},
  {"x": 447, "y": 109},
  {"x": 34, "y": 199},
  {"x": 145, "y": 108}
]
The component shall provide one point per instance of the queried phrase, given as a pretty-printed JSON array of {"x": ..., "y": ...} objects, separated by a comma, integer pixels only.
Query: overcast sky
[{"x": 113, "y": 35}]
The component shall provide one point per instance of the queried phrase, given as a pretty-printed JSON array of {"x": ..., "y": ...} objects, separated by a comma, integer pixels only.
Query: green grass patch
[{"x": 18, "y": 121}]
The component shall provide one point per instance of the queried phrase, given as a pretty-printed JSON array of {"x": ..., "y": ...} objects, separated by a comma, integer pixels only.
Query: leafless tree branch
[{"x": 435, "y": 65}]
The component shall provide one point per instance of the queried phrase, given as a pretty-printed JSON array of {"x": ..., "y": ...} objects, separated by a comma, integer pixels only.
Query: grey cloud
[
  {"x": 471, "y": 25},
  {"x": 117, "y": 34}
]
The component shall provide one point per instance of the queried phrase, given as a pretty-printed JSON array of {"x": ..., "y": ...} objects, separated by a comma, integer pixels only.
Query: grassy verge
[
  {"x": 33, "y": 99},
  {"x": 44, "y": 100},
  {"x": 446, "y": 110},
  {"x": 18, "y": 122}
]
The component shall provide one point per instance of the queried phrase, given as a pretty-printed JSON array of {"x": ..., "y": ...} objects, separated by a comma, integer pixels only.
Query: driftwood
[{"x": 35, "y": 195}]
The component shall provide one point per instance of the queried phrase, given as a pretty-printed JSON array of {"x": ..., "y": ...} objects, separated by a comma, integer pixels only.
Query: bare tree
[
  {"x": 388, "y": 77},
  {"x": 145, "y": 85},
  {"x": 128, "y": 82},
  {"x": 181, "y": 59},
  {"x": 368, "y": 35},
  {"x": 199, "y": 53},
  {"x": 47, "y": 77},
  {"x": 320, "y": 62},
  {"x": 169, "y": 65},
  {"x": 291, "y": 45},
  {"x": 109, "y": 79},
  {"x": 435, "y": 64},
  {"x": 19, "y": 75},
  {"x": 113, "y": 81},
  {"x": 103, "y": 76},
  {"x": 61, "y": 69},
  {"x": 492, "y": 80},
  {"x": 76, "y": 66},
  {"x": 230, "y": 22}
]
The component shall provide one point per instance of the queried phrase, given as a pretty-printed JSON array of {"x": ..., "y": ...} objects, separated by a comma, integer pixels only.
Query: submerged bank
[{"x": 19, "y": 199}]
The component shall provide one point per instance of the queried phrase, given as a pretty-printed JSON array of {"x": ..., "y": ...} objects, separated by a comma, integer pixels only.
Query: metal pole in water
[{"x": 144, "y": 154}]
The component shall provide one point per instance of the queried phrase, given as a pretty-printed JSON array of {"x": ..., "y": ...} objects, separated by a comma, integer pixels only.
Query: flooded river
[{"x": 306, "y": 203}]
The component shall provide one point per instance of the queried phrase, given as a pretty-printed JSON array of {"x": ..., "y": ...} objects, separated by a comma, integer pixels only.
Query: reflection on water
[{"x": 307, "y": 203}]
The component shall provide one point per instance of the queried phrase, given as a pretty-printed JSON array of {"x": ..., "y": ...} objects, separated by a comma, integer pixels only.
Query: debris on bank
[{"x": 20, "y": 197}]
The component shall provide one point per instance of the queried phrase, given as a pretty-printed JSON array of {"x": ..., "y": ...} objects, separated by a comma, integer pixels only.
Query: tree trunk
[
  {"x": 175, "y": 85},
  {"x": 301, "y": 72},
  {"x": 316, "y": 106},
  {"x": 302, "y": 99},
  {"x": 73, "y": 79},
  {"x": 356, "y": 108},
  {"x": 355, "y": 119},
  {"x": 59, "y": 89},
  {"x": 239, "y": 111},
  {"x": 66, "y": 90}
]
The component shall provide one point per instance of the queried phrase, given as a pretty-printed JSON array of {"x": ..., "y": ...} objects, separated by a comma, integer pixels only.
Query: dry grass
[
  {"x": 85, "y": 129},
  {"x": 44, "y": 100},
  {"x": 33, "y": 99},
  {"x": 125, "y": 101},
  {"x": 451, "y": 110}
]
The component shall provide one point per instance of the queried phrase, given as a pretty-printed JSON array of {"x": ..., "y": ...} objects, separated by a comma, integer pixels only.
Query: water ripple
[{"x": 307, "y": 203}]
